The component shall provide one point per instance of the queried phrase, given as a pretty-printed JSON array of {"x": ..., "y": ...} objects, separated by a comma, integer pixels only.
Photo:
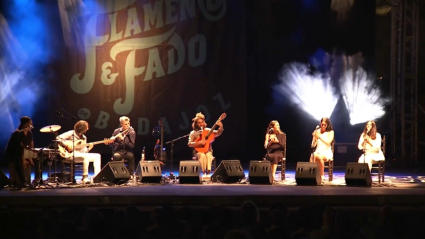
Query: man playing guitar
[
  {"x": 202, "y": 146},
  {"x": 81, "y": 154}
]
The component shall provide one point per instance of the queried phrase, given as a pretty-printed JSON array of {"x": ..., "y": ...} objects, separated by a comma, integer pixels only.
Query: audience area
[{"x": 246, "y": 221}]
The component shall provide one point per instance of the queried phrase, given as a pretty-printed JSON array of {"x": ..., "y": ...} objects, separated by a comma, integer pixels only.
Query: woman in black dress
[{"x": 275, "y": 145}]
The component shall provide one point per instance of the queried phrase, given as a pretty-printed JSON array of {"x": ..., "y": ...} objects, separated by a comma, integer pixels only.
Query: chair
[
  {"x": 282, "y": 163},
  {"x": 330, "y": 163},
  {"x": 379, "y": 166},
  {"x": 78, "y": 166}
]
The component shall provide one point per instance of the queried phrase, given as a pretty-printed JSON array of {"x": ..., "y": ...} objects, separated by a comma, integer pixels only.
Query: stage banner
[{"x": 151, "y": 60}]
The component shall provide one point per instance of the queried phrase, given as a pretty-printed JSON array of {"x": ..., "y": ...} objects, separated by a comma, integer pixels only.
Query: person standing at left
[{"x": 20, "y": 139}]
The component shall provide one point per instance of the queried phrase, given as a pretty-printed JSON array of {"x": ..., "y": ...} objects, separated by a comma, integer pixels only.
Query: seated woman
[
  {"x": 370, "y": 143},
  {"x": 322, "y": 142},
  {"x": 275, "y": 145}
]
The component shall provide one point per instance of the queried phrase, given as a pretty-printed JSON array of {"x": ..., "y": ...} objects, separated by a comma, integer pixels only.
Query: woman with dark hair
[
  {"x": 323, "y": 137},
  {"x": 370, "y": 143},
  {"x": 275, "y": 145}
]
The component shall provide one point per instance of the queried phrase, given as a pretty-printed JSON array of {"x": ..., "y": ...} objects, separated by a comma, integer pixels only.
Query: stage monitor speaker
[
  {"x": 113, "y": 172},
  {"x": 190, "y": 172},
  {"x": 307, "y": 174},
  {"x": 4, "y": 180},
  {"x": 358, "y": 175},
  {"x": 149, "y": 171},
  {"x": 229, "y": 171},
  {"x": 259, "y": 172}
]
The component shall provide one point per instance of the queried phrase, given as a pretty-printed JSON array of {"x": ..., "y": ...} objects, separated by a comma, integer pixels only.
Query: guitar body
[
  {"x": 209, "y": 138},
  {"x": 63, "y": 152},
  {"x": 66, "y": 149}
]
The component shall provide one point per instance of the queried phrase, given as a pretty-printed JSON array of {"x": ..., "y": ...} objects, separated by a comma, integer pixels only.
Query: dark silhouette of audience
[{"x": 245, "y": 222}]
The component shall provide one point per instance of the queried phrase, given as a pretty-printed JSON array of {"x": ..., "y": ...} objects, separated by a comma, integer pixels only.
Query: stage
[{"x": 398, "y": 189}]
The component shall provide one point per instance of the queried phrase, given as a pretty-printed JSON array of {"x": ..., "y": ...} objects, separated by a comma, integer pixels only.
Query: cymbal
[{"x": 50, "y": 128}]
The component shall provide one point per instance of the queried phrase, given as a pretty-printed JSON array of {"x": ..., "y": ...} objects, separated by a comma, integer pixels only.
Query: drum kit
[{"x": 49, "y": 153}]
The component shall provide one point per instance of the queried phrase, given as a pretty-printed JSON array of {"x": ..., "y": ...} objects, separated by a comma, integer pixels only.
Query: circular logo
[{"x": 84, "y": 113}]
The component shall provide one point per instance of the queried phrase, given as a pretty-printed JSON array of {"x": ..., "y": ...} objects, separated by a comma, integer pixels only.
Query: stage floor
[{"x": 398, "y": 189}]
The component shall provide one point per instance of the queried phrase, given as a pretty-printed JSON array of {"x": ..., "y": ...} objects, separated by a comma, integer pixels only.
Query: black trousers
[
  {"x": 16, "y": 171},
  {"x": 128, "y": 157}
]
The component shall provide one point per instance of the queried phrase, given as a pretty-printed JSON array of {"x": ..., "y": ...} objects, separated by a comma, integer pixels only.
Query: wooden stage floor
[{"x": 398, "y": 189}]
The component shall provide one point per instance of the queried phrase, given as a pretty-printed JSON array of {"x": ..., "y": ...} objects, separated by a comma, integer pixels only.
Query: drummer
[{"x": 20, "y": 139}]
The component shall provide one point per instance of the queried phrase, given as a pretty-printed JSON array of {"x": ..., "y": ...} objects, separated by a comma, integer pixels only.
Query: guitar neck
[
  {"x": 215, "y": 125},
  {"x": 85, "y": 145},
  {"x": 211, "y": 130}
]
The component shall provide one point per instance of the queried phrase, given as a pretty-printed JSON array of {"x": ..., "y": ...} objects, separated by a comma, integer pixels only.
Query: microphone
[
  {"x": 59, "y": 113},
  {"x": 31, "y": 127},
  {"x": 317, "y": 127},
  {"x": 270, "y": 130}
]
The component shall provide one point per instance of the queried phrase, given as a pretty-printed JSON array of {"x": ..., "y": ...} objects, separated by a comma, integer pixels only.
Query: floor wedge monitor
[
  {"x": 358, "y": 175},
  {"x": 260, "y": 172},
  {"x": 307, "y": 174},
  {"x": 190, "y": 172},
  {"x": 149, "y": 171},
  {"x": 113, "y": 172},
  {"x": 229, "y": 171}
]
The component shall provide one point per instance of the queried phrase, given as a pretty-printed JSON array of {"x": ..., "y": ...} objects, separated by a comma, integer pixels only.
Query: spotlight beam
[
  {"x": 364, "y": 101},
  {"x": 310, "y": 91}
]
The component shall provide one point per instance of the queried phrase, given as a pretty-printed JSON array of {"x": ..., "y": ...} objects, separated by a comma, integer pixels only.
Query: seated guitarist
[
  {"x": 81, "y": 154},
  {"x": 198, "y": 126}
]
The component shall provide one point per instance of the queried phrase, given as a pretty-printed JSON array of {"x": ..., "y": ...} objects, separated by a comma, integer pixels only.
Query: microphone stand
[
  {"x": 364, "y": 152},
  {"x": 70, "y": 116},
  {"x": 55, "y": 159},
  {"x": 172, "y": 153}
]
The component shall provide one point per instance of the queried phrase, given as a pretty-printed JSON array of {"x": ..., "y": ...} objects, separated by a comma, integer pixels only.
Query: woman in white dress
[
  {"x": 323, "y": 137},
  {"x": 370, "y": 143}
]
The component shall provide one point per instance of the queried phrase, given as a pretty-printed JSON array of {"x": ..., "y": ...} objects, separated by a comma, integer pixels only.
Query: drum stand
[
  {"x": 53, "y": 160},
  {"x": 53, "y": 178},
  {"x": 38, "y": 181}
]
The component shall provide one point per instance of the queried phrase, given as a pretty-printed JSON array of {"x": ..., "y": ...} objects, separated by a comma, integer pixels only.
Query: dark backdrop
[{"x": 246, "y": 49}]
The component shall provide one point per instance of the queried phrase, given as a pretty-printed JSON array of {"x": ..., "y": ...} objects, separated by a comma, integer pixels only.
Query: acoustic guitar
[
  {"x": 208, "y": 136},
  {"x": 66, "y": 149}
]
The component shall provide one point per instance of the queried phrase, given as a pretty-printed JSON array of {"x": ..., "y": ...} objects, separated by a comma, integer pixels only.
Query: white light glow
[
  {"x": 364, "y": 101},
  {"x": 311, "y": 92}
]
